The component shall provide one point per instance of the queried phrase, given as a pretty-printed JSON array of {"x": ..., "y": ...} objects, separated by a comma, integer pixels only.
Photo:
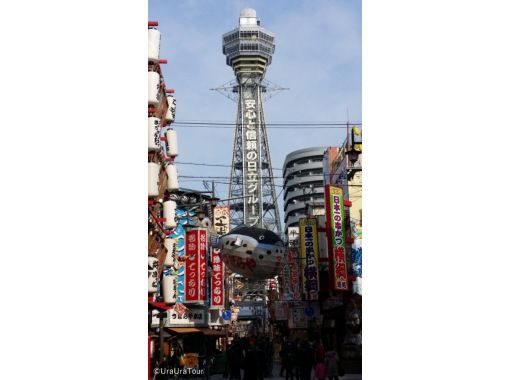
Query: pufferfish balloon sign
[{"x": 253, "y": 252}]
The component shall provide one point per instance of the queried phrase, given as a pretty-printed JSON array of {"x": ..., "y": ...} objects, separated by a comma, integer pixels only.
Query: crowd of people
[
  {"x": 254, "y": 356},
  {"x": 303, "y": 360},
  {"x": 299, "y": 359},
  {"x": 253, "y": 359}
]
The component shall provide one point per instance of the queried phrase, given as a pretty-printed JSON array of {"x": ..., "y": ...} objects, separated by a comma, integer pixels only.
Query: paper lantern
[
  {"x": 169, "y": 214},
  {"x": 172, "y": 148},
  {"x": 154, "y": 43},
  {"x": 153, "y": 274},
  {"x": 172, "y": 183},
  {"x": 170, "y": 112},
  {"x": 154, "y": 93},
  {"x": 170, "y": 255},
  {"x": 169, "y": 287},
  {"x": 154, "y": 169},
  {"x": 154, "y": 131}
]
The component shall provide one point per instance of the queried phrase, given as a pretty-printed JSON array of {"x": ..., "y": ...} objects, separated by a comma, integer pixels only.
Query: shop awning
[
  {"x": 209, "y": 332},
  {"x": 204, "y": 330},
  {"x": 184, "y": 330}
]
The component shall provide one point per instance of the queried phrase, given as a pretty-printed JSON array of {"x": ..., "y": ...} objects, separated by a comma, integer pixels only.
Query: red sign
[
  {"x": 191, "y": 273},
  {"x": 294, "y": 274},
  {"x": 217, "y": 290},
  {"x": 202, "y": 262}
]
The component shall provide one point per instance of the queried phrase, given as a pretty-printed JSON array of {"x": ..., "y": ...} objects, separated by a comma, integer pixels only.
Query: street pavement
[{"x": 276, "y": 371}]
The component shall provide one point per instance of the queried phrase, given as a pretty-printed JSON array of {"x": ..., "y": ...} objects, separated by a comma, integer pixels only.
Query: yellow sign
[{"x": 222, "y": 219}]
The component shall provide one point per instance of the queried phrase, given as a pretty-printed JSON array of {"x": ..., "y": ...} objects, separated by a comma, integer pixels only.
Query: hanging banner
[
  {"x": 293, "y": 235},
  {"x": 309, "y": 257},
  {"x": 335, "y": 226},
  {"x": 286, "y": 284},
  {"x": 217, "y": 289},
  {"x": 222, "y": 219},
  {"x": 202, "y": 262},
  {"x": 295, "y": 288},
  {"x": 192, "y": 267}
]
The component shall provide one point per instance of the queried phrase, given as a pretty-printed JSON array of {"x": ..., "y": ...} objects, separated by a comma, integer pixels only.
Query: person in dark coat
[
  {"x": 251, "y": 365},
  {"x": 261, "y": 360},
  {"x": 333, "y": 368},
  {"x": 288, "y": 355},
  {"x": 305, "y": 360},
  {"x": 235, "y": 359}
]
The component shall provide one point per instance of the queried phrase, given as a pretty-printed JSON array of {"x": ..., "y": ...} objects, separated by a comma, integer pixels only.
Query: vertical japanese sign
[
  {"x": 293, "y": 234},
  {"x": 292, "y": 257},
  {"x": 192, "y": 267},
  {"x": 335, "y": 226},
  {"x": 309, "y": 257},
  {"x": 217, "y": 289},
  {"x": 251, "y": 159},
  {"x": 221, "y": 226},
  {"x": 286, "y": 283},
  {"x": 202, "y": 262},
  {"x": 221, "y": 219}
]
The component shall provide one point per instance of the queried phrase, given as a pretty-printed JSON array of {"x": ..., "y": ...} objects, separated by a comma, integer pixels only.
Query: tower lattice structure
[{"x": 249, "y": 49}]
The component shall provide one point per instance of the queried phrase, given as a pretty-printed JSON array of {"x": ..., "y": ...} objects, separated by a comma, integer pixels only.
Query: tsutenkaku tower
[{"x": 249, "y": 49}]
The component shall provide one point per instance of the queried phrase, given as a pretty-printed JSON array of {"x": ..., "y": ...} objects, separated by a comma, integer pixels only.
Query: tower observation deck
[{"x": 249, "y": 49}]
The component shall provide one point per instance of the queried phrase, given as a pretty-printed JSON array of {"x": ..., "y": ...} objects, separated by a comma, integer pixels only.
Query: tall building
[
  {"x": 249, "y": 49},
  {"x": 303, "y": 183}
]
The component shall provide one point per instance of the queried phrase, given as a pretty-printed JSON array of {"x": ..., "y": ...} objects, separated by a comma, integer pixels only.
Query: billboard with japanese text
[
  {"x": 309, "y": 252},
  {"x": 335, "y": 225},
  {"x": 217, "y": 276},
  {"x": 221, "y": 219},
  {"x": 196, "y": 248},
  {"x": 202, "y": 263}
]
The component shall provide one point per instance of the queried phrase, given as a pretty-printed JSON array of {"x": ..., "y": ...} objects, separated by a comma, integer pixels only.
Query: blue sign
[
  {"x": 226, "y": 315},
  {"x": 309, "y": 311}
]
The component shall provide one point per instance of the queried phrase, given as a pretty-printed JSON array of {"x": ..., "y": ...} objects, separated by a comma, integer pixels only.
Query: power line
[
  {"x": 279, "y": 123},
  {"x": 202, "y": 164},
  {"x": 228, "y": 177},
  {"x": 287, "y": 125}
]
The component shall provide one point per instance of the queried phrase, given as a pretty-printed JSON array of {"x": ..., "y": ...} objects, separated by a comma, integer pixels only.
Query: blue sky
[{"x": 317, "y": 56}]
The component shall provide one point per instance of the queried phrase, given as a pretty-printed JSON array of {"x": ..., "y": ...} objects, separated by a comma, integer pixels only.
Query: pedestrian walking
[
  {"x": 305, "y": 360},
  {"x": 319, "y": 351},
  {"x": 235, "y": 359},
  {"x": 320, "y": 370},
  {"x": 333, "y": 367},
  {"x": 261, "y": 360},
  {"x": 277, "y": 348},
  {"x": 251, "y": 365},
  {"x": 288, "y": 355}
]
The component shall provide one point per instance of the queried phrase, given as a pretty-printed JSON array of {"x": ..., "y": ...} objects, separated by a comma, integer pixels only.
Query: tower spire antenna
[{"x": 249, "y": 49}]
